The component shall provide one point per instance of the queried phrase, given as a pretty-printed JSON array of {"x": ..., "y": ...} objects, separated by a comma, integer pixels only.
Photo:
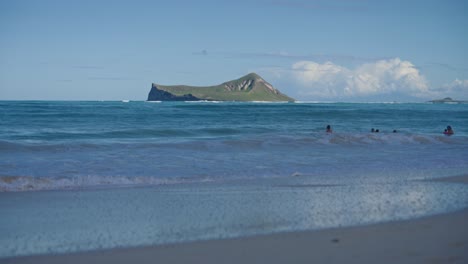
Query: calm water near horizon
[{"x": 217, "y": 169}]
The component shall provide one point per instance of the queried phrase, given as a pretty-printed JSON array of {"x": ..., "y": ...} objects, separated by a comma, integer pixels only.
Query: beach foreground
[
  {"x": 435, "y": 239},
  {"x": 440, "y": 238}
]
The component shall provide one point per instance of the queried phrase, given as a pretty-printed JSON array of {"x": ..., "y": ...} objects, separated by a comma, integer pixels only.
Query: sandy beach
[{"x": 435, "y": 239}]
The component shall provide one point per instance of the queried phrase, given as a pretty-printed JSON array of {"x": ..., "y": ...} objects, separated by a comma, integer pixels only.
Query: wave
[
  {"x": 10, "y": 146},
  {"x": 388, "y": 138},
  {"x": 345, "y": 139},
  {"x": 218, "y": 136},
  {"x": 28, "y": 183},
  {"x": 139, "y": 133}
]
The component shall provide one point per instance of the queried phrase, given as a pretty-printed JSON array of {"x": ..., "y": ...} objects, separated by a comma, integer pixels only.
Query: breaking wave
[
  {"x": 344, "y": 139},
  {"x": 28, "y": 183}
]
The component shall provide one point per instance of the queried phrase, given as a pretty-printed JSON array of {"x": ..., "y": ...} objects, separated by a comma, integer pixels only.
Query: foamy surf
[
  {"x": 28, "y": 183},
  {"x": 76, "y": 221}
]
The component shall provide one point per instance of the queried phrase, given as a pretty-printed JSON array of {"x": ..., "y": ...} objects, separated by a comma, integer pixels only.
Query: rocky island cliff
[{"x": 250, "y": 87}]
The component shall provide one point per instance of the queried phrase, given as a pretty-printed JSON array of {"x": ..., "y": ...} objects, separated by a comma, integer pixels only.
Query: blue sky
[{"x": 337, "y": 50}]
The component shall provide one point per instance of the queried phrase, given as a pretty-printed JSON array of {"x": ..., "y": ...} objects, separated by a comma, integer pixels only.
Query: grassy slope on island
[{"x": 248, "y": 88}]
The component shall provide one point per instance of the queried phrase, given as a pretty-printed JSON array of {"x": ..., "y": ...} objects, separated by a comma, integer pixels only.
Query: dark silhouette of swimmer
[
  {"x": 329, "y": 130},
  {"x": 372, "y": 130},
  {"x": 448, "y": 131},
  {"x": 377, "y": 131},
  {"x": 394, "y": 131}
]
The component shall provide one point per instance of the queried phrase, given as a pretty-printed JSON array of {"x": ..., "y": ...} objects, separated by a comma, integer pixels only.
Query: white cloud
[
  {"x": 325, "y": 80},
  {"x": 457, "y": 89},
  {"x": 328, "y": 80},
  {"x": 457, "y": 86}
]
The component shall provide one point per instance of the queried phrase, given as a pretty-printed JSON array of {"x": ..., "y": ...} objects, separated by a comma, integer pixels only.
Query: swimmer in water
[
  {"x": 448, "y": 131},
  {"x": 329, "y": 130}
]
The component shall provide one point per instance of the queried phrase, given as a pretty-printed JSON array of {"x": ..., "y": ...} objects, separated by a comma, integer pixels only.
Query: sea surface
[{"x": 77, "y": 176}]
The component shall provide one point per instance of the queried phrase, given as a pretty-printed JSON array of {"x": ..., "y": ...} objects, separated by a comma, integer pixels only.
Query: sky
[{"x": 316, "y": 50}]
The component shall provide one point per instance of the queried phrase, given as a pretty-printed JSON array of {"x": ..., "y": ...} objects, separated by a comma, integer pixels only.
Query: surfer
[
  {"x": 448, "y": 131},
  {"x": 329, "y": 130}
]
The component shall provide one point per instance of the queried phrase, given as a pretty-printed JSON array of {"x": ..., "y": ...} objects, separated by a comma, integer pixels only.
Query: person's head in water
[
  {"x": 448, "y": 131},
  {"x": 372, "y": 130},
  {"x": 377, "y": 131},
  {"x": 394, "y": 131},
  {"x": 329, "y": 130}
]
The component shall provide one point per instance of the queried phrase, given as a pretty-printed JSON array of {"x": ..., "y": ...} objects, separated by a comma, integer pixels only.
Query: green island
[{"x": 250, "y": 87}]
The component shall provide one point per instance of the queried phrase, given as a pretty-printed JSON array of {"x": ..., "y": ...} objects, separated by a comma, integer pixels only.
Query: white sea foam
[
  {"x": 28, "y": 183},
  {"x": 269, "y": 102},
  {"x": 382, "y": 139},
  {"x": 314, "y": 102},
  {"x": 204, "y": 101},
  {"x": 61, "y": 222}
]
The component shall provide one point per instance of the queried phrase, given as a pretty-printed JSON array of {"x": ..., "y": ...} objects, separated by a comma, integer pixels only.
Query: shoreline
[
  {"x": 439, "y": 238},
  {"x": 433, "y": 239}
]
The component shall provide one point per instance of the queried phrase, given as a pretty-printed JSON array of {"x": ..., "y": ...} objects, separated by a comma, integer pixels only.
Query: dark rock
[{"x": 156, "y": 94}]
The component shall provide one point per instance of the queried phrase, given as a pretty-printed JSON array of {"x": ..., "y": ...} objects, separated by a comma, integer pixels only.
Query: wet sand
[{"x": 434, "y": 239}]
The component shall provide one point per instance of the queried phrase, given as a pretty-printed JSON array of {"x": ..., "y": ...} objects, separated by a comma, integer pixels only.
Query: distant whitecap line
[
  {"x": 204, "y": 101},
  {"x": 314, "y": 102},
  {"x": 269, "y": 102}
]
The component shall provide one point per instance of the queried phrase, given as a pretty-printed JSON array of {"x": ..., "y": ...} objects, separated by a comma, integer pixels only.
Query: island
[
  {"x": 250, "y": 87},
  {"x": 447, "y": 100}
]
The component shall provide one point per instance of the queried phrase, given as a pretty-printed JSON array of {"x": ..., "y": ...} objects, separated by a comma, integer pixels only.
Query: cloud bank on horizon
[{"x": 388, "y": 78}]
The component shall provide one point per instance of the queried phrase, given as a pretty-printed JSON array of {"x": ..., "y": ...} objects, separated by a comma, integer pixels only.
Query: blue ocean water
[
  {"x": 78, "y": 176},
  {"x": 57, "y": 145}
]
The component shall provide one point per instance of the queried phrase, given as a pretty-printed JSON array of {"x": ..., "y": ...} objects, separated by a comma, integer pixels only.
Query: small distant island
[
  {"x": 447, "y": 100},
  {"x": 250, "y": 87}
]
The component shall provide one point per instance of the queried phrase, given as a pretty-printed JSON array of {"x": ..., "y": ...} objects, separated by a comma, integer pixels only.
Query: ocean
[{"x": 115, "y": 174}]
